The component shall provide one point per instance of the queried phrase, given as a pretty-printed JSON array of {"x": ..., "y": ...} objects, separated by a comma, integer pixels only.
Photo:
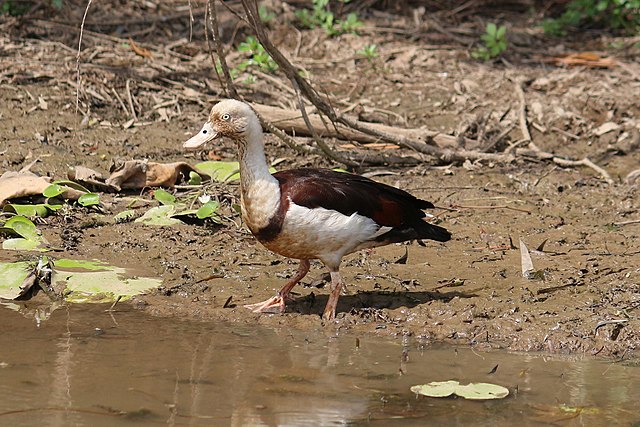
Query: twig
[
  {"x": 522, "y": 114},
  {"x": 632, "y": 221},
  {"x": 130, "y": 99},
  {"x": 491, "y": 207},
  {"x": 585, "y": 162},
  {"x": 333, "y": 155},
  {"x": 227, "y": 84},
  {"x": 84, "y": 18}
]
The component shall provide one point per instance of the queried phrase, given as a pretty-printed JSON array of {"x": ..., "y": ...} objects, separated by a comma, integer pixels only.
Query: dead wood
[{"x": 292, "y": 122}]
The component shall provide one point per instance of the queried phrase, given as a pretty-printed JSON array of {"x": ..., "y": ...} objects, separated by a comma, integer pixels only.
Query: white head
[{"x": 230, "y": 118}]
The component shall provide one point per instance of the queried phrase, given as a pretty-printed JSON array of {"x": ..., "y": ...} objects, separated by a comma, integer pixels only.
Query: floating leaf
[
  {"x": 89, "y": 199},
  {"x": 164, "y": 197},
  {"x": 80, "y": 280},
  {"x": 208, "y": 210},
  {"x": 160, "y": 215},
  {"x": 436, "y": 388},
  {"x": 80, "y": 263},
  {"x": 473, "y": 391},
  {"x": 20, "y": 244},
  {"x": 12, "y": 274}
]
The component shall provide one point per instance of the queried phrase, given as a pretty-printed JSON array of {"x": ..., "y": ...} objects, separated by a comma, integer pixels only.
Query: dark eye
[
  {"x": 204, "y": 131},
  {"x": 226, "y": 117}
]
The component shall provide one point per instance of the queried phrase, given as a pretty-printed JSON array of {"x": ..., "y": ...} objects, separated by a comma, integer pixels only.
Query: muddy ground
[{"x": 469, "y": 290}]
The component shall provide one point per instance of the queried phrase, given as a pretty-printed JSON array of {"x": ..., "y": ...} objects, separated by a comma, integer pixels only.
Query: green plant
[
  {"x": 495, "y": 42},
  {"x": 18, "y": 8},
  {"x": 266, "y": 15},
  {"x": 369, "y": 52},
  {"x": 321, "y": 16},
  {"x": 258, "y": 56},
  {"x": 615, "y": 14}
]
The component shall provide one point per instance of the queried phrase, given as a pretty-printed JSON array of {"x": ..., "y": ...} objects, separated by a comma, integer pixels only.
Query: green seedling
[
  {"x": 495, "y": 43},
  {"x": 369, "y": 52},
  {"x": 320, "y": 16},
  {"x": 613, "y": 14},
  {"x": 258, "y": 57}
]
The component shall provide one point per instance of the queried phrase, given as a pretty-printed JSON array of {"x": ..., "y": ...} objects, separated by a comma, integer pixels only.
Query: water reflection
[{"x": 84, "y": 366}]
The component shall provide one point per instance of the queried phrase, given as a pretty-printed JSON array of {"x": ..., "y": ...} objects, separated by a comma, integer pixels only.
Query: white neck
[
  {"x": 253, "y": 163},
  {"x": 260, "y": 190}
]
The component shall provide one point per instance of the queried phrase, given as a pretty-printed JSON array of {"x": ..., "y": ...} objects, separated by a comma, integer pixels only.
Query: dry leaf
[
  {"x": 135, "y": 174},
  {"x": 585, "y": 59},
  {"x": 22, "y": 184},
  {"x": 145, "y": 53},
  {"x": 605, "y": 128}
]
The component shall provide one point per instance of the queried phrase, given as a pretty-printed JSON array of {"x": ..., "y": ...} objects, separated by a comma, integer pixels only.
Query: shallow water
[{"x": 87, "y": 367}]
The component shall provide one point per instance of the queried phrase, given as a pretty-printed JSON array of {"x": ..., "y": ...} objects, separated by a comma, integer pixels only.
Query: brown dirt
[{"x": 469, "y": 290}]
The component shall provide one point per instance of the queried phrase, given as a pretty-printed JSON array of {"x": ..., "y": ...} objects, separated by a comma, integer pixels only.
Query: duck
[{"x": 312, "y": 214}]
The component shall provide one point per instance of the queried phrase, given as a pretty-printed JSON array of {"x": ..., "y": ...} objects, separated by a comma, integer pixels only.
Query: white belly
[{"x": 323, "y": 234}]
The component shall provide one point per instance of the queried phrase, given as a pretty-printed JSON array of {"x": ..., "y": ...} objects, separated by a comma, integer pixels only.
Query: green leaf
[
  {"x": 41, "y": 210},
  {"x": 23, "y": 226},
  {"x": 160, "y": 216},
  {"x": 89, "y": 199},
  {"x": 194, "y": 178},
  {"x": 482, "y": 391},
  {"x": 53, "y": 190},
  {"x": 164, "y": 197},
  {"x": 220, "y": 171},
  {"x": 436, "y": 388},
  {"x": 20, "y": 244},
  {"x": 208, "y": 210},
  {"x": 80, "y": 263},
  {"x": 473, "y": 391},
  {"x": 491, "y": 29},
  {"x": 501, "y": 32},
  {"x": 12, "y": 274}
]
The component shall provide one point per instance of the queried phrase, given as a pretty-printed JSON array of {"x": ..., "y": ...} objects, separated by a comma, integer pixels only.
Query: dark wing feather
[{"x": 348, "y": 194}]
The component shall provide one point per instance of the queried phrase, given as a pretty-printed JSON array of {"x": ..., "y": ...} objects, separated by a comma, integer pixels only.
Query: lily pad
[
  {"x": 164, "y": 197},
  {"x": 12, "y": 274},
  {"x": 220, "y": 171},
  {"x": 472, "y": 391},
  {"x": 160, "y": 215},
  {"x": 79, "y": 280},
  {"x": 223, "y": 171}
]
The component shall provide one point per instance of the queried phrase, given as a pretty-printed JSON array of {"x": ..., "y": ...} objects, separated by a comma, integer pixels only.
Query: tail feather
[{"x": 417, "y": 231}]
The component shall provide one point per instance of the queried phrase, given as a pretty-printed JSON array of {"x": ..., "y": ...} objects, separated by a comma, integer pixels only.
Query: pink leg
[
  {"x": 332, "y": 303},
  {"x": 276, "y": 304}
]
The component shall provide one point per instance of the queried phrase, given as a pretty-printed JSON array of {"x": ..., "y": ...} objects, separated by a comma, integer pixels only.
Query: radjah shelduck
[{"x": 310, "y": 214}]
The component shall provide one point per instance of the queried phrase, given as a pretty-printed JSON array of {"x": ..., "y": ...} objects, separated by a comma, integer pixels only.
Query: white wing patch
[{"x": 323, "y": 233}]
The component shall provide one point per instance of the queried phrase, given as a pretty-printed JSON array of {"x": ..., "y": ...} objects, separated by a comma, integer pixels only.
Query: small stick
[
  {"x": 130, "y": 99},
  {"x": 633, "y": 221},
  {"x": 585, "y": 162},
  {"x": 115, "y": 92},
  {"x": 114, "y": 303},
  {"x": 84, "y": 18},
  {"x": 522, "y": 113},
  {"x": 491, "y": 207}
]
